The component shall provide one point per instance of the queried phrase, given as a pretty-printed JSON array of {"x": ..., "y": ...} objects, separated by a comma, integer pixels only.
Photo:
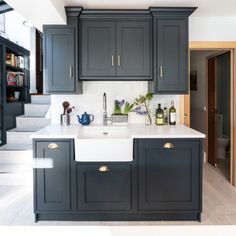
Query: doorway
[
  {"x": 186, "y": 115},
  {"x": 210, "y": 75}
]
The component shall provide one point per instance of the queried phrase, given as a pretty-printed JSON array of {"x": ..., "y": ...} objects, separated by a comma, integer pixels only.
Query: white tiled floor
[{"x": 219, "y": 205}]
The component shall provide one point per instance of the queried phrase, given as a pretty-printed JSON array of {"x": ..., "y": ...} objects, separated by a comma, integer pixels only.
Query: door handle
[
  {"x": 168, "y": 145},
  {"x": 185, "y": 115},
  {"x": 52, "y": 146},
  {"x": 118, "y": 60},
  {"x": 161, "y": 71},
  {"x": 103, "y": 169},
  {"x": 112, "y": 60},
  {"x": 71, "y": 71}
]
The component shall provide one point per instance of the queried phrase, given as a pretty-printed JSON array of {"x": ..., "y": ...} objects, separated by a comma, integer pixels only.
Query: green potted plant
[{"x": 139, "y": 106}]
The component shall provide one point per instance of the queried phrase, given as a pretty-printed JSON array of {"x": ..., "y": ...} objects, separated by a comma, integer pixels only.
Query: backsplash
[{"x": 91, "y": 100}]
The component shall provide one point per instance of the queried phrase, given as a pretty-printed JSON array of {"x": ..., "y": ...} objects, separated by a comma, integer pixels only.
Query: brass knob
[
  {"x": 168, "y": 145},
  {"x": 52, "y": 146},
  {"x": 103, "y": 169}
]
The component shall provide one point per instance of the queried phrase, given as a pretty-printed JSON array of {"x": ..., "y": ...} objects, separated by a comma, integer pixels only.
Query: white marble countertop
[{"x": 75, "y": 131}]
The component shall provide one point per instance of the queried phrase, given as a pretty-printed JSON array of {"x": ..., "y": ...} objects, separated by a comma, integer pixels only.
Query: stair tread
[
  {"x": 15, "y": 146},
  {"x": 24, "y": 130},
  {"x": 28, "y": 116}
]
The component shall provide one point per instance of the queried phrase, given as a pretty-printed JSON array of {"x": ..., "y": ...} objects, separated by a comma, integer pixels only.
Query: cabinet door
[
  {"x": 98, "y": 48},
  {"x": 172, "y": 55},
  {"x": 99, "y": 190},
  {"x": 133, "y": 48},
  {"x": 52, "y": 185},
  {"x": 169, "y": 178},
  {"x": 59, "y": 59}
]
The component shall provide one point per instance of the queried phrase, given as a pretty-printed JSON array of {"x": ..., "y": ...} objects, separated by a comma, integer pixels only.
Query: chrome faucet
[{"x": 105, "y": 117}]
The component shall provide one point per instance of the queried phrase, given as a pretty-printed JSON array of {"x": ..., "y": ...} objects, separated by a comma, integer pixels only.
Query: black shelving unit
[{"x": 12, "y": 105}]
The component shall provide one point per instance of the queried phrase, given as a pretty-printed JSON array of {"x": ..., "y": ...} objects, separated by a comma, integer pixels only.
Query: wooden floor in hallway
[{"x": 219, "y": 205}]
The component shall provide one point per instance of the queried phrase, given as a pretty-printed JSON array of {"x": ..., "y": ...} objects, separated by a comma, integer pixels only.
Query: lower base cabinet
[
  {"x": 103, "y": 187},
  {"x": 163, "y": 182}
]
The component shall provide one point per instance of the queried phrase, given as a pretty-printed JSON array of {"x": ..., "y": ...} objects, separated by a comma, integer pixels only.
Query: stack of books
[
  {"x": 15, "y": 78},
  {"x": 13, "y": 60}
]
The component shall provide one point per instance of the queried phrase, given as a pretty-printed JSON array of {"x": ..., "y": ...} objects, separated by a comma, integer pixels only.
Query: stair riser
[
  {"x": 36, "y": 109},
  {"x": 28, "y": 122},
  {"x": 38, "y": 99},
  {"x": 19, "y": 137}
]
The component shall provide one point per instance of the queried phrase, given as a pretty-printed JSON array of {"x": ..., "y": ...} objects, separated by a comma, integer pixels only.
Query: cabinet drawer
[
  {"x": 169, "y": 175},
  {"x": 102, "y": 187}
]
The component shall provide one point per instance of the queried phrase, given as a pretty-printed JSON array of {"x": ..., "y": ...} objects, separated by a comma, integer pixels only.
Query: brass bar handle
[
  {"x": 112, "y": 60},
  {"x": 161, "y": 71},
  {"x": 118, "y": 60},
  {"x": 52, "y": 145},
  {"x": 103, "y": 169},
  {"x": 168, "y": 145},
  {"x": 71, "y": 71}
]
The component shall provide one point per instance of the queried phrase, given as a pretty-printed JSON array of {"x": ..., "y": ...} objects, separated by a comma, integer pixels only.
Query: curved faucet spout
[{"x": 104, "y": 109}]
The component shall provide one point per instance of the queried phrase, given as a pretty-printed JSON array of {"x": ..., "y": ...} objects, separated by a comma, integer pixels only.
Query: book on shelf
[
  {"x": 15, "y": 78},
  {"x": 13, "y": 60}
]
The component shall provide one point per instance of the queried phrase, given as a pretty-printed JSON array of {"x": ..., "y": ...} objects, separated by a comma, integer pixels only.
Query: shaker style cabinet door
[
  {"x": 103, "y": 187},
  {"x": 171, "y": 56},
  {"x": 169, "y": 175},
  {"x": 53, "y": 185},
  {"x": 98, "y": 48},
  {"x": 59, "y": 59},
  {"x": 133, "y": 49}
]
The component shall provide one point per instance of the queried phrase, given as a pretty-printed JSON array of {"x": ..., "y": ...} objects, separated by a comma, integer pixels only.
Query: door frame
[{"x": 230, "y": 46}]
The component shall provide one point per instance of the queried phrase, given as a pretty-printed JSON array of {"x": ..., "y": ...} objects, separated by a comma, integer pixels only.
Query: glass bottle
[
  {"x": 159, "y": 115},
  {"x": 172, "y": 114},
  {"x": 165, "y": 116}
]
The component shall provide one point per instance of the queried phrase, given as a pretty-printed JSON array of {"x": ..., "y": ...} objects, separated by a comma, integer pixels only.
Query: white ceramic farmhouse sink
[{"x": 104, "y": 144}]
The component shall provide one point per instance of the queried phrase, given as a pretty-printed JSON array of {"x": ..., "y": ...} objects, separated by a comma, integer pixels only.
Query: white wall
[
  {"x": 15, "y": 30},
  {"x": 212, "y": 29},
  {"x": 91, "y": 100}
]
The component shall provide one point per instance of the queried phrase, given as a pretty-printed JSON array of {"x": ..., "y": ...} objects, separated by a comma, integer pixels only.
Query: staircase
[{"x": 16, "y": 155}]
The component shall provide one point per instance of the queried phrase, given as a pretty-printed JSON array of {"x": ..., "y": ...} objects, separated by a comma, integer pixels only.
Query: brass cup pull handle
[
  {"x": 168, "y": 145},
  {"x": 52, "y": 145},
  {"x": 103, "y": 169}
]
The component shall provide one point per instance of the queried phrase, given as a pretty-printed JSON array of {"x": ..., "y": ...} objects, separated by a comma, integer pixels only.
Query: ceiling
[
  {"x": 53, "y": 12},
  {"x": 206, "y": 8}
]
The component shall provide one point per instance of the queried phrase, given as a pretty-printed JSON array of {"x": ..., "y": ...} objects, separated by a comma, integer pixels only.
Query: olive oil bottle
[
  {"x": 159, "y": 115},
  {"x": 172, "y": 114}
]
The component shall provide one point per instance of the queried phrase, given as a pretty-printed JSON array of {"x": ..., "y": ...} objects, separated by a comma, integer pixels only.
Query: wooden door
[
  {"x": 133, "y": 49},
  {"x": 211, "y": 97},
  {"x": 98, "y": 49}
]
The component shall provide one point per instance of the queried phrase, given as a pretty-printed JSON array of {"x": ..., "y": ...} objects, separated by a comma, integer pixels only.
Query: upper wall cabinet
[
  {"x": 61, "y": 55},
  {"x": 170, "y": 29},
  {"x": 116, "y": 48}
]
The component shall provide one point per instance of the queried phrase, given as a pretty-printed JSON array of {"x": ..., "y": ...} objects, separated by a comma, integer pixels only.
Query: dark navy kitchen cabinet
[
  {"x": 61, "y": 55},
  {"x": 163, "y": 182},
  {"x": 133, "y": 48},
  {"x": 52, "y": 186},
  {"x": 104, "y": 187},
  {"x": 116, "y": 47},
  {"x": 98, "y": 48},
  {"x": 169, "y": 175},
  {"x": 170, "y": 29}
]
